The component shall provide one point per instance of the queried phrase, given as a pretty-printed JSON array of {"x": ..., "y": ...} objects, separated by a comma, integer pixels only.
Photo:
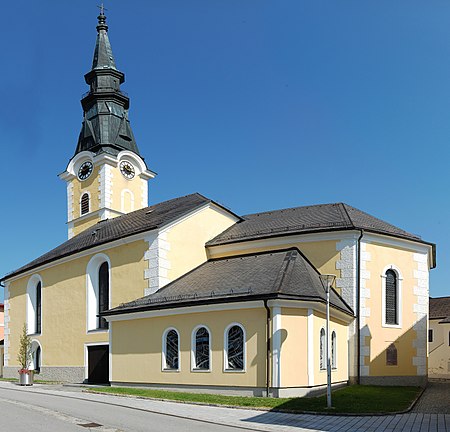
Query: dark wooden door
[{"x": 98, "y": 364}]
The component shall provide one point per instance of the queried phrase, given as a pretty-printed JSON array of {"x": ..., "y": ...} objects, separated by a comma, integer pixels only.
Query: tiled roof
[
  {"x": 309, "y": 219},
  {"x": 282, "y": 274},
  {"x": 439, "y": 308},
  {"x": 139, "y": 221}
]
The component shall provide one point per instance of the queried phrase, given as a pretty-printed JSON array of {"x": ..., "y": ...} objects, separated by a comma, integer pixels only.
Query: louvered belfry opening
[
  {"x": 103, "y": 293},
  {"x": 391, "y": 298},
  {"x": 85, "y": 204}
]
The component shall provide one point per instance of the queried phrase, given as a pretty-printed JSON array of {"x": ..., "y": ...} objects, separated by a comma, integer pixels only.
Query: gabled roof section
[
  {"x": 308, "y": 219},
  {"x": 440, "y": 308},
  {"x": 270, "y": 275},
  {"x": 139, "y": 221}
]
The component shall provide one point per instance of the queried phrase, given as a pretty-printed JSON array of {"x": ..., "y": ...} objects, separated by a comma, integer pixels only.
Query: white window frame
[
  {"x": 92, "y": 294},
  {"x": 122, "y": 200},
  {"x": 31, "y": 303},
  {"x": 34, "y": 344},
  {"x": 81, "y": 197},
  {"x": 225, "y": 349},
  {"x": 399, "y": 275},
  {"x": 164, "y": 351},
  {"x": 193, "y": 349},
  {"x": 324, "y": 348}
]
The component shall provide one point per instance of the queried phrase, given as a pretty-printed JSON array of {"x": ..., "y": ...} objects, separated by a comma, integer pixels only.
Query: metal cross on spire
[{"x": 102, "y": 9}]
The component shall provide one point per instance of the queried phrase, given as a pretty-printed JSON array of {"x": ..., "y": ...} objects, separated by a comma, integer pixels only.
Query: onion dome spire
[{"x": 106, "y": 128}]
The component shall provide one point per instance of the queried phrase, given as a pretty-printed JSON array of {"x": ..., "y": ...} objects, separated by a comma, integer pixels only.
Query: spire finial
[{"x": 102, "y": 18}]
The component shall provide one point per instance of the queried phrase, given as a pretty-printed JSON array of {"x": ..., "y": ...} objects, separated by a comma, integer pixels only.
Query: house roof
[
  {"x": 308, "y": 219},
  {"x": 283, "y": 274},
  {"x": 440, "y": 308},
  {"x": 146, "y": 219}
]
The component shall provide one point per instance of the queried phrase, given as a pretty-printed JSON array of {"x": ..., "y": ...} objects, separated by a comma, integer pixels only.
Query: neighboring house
[
  {"x": 439, "y": 338},
  {"x": 2, "y": 332},
  {"x": 187, "y": 294}
]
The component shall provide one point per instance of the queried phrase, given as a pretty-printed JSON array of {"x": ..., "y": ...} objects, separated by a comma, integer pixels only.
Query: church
[{"x": 186, "y": 294}]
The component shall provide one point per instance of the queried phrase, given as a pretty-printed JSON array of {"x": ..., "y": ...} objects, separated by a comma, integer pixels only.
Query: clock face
[
  {"x": 127, "y": 169},
  {"x": 85, "y": 170}
]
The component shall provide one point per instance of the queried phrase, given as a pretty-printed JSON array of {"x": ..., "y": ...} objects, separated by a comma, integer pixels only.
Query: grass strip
[{"x": 354, "y": 399}]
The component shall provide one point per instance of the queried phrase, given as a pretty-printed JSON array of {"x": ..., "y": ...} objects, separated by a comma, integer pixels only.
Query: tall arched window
[
  {"x": 201, "y": 349},
  {"x": 333, "y": 350},
  {"x": 36, "y": 355},
  {"x": 103, "y": 293},
  {"x": 171, "y": 350},
  {"x": 391, "y": 298},
  {"x": 323, "y": 360},
  {"x": 234, "y": 348},
  {"x": 38, "y": 307},
  {"x": 34, "y": 305},
  {"x": 391, "y": 355},
  {"x": 84, "y": 203}
]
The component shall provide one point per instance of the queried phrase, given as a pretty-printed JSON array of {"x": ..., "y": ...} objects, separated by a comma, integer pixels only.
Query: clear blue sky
[{"x": 257, "y": 104}]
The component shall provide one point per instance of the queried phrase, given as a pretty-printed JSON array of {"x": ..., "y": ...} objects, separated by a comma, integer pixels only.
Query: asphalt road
[{"x": 24, "y": 411}]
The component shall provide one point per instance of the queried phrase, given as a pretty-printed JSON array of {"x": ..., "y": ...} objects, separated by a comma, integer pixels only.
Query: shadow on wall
[{"x": 385, "y": 355}]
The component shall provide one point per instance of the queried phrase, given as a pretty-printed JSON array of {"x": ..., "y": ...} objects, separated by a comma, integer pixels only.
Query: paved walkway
[
  {"x": 435, "y": 399},
  {"x": 257, "y": 420}
]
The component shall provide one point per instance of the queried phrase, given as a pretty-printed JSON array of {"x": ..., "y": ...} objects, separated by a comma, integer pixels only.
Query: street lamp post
[{"x": 327, "y": 280}]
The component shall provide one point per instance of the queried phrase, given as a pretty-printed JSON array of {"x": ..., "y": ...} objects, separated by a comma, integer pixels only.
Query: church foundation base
[
  {"x": 64, "y": 374},
  {"x": 420, "y": 381}
]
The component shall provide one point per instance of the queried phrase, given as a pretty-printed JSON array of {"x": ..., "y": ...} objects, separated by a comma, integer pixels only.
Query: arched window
[
  {"x": 323, "y": 360},
  {"x": 234, "y": 348},
  {"x": 201, "y": 349},
  {"x": 391, "y": 355},
  {"x": 333, "y": 350},
  {"x": 391, "y": 298},
  {"x": 98, "y": 286},
  {"x": 171, "y": 350},
  {"x": 36, "y": 355},
  {"x": 34, "y": 305},
  {"x": 84, "y": 204},
  {"x": 103, "y": 293},
  {"x": 38, "y": 307}
]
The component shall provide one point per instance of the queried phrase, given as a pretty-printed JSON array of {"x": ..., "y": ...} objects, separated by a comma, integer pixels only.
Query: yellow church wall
[
  {"x": 83, "y": 224},
  {"x": 322, "y": 254},
  {"x": 380, "y": 337},
  {"x": 138, "y": 359},
  {"x": 89, "y": 185},
  {"x": 121, "y": 184},
  {"x": 187, "y": 240},
  {"x": 340, "y": 373},
  {"x": 294, "y": 347},
  {"x": 64, "y": 314}
]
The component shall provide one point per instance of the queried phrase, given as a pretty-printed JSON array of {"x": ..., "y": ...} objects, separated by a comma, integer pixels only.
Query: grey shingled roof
[
  {"x": 280, "y": 274},
  {"x": 440, "y": 308},
  {"x": 308, "y": 219},
  {"x": 142, "y": 220}
]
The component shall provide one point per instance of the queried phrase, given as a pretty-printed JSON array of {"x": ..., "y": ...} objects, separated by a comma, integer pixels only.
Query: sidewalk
[{"x": 259, "y": 420}]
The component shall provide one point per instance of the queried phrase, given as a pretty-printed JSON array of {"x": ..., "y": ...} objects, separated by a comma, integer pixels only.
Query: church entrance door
[{"x": 98, "y": 364}]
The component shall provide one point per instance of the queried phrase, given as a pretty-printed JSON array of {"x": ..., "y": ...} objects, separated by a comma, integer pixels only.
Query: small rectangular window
[{"x": 430, "y": 335}]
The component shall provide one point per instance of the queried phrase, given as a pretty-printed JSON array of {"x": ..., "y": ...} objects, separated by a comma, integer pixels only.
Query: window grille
[
  {"x": 391, "y": 355},
  {"x": 38, "y": 308},
  {"x": 322, "y": 350},
  {"x": 202, "y": 349},
  {"x": 235, "y": 349},
  {"x": 391, "y": 298},
  {"x": 172, "y": 350},
  {"x": 103, "y": 293},
  {"x": 85, "y": 204}
]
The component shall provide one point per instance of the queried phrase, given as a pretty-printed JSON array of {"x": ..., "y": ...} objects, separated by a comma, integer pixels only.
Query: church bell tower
[{"x": 107, "y": 176}]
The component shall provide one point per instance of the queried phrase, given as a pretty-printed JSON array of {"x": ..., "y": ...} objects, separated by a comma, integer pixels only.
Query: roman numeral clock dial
[
  {"x": 127, "y": 169},
  {"x": 85, "y": 170}
]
